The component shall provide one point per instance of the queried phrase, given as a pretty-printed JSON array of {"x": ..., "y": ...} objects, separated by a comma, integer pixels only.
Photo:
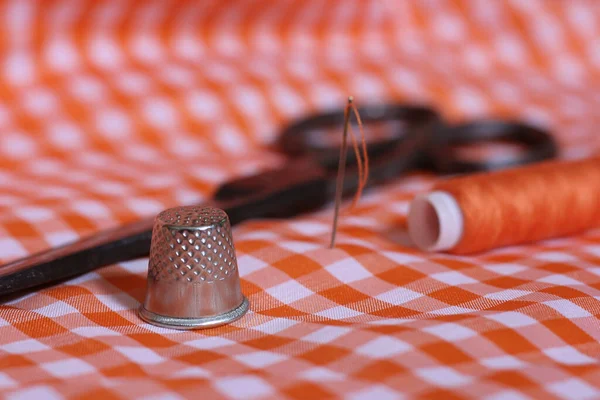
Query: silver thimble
[{"x": 193, "y": 278}]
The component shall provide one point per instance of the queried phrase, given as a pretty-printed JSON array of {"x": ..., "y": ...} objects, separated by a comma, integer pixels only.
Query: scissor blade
[{"x": 105, "y": 248}]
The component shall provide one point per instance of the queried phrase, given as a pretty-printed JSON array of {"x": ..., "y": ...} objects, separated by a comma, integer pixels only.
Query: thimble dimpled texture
[{"x": 192, "y": 244}]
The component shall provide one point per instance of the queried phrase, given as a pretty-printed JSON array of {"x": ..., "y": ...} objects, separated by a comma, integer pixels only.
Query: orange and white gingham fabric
[{"x": 110, "y": 111}]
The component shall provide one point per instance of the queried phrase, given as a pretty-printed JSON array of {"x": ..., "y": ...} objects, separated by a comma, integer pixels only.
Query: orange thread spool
[{"x": 513, "y": 206}]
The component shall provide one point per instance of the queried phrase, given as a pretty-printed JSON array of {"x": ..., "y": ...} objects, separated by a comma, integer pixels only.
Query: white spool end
[{"x": 435, "y": 221}]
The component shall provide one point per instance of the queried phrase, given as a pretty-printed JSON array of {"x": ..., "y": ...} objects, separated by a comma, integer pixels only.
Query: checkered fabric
[{"x": 112, "y": 111}]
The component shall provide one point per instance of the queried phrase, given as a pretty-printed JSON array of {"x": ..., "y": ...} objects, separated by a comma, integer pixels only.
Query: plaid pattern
[{"x": 111, "y": 111}]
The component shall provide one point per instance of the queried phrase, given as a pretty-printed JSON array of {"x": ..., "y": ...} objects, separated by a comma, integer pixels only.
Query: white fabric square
[
  {"x": 212, "y": 342},
  {"x": 453, "y": 278},
  {"x": 6, "y": 381},
  {"x": 162, "y": 396},
  {"x": 348, "y": 270},
  {"x": 400, "y": 207},
  {"x": 68, "y": 368},
  {"x": 91, "y": 208},
  {"x": 378, "y": 392},
  {"x": 321, "y": 374},
  {"x": 452, "y": 310},
  {"x": 512, "y": 319},
  {"x": 568, "y": 308},
  {"x": 160, "y": 113},
  {"x": 507, "y": 395},
  {"x": 203, "y": 105},
  {"x": 185, "y": 147},
  {"x": 140, "y": 355},
  {"x": 133, "y": 83},
  {"x": 399, "y": 295},
  {"x": 143, "y": 207},
  {"x": 502, "y": 362},
  {"x": 594, "y": 270},
  {"x": 450, "y": 331},
  {"x": 192, "y": 372},
  {"x": 90, "y": 276},
  {"x": 59, "y": 238},
  {"x": 94, "y": 331},
  {"x": 105, "y": 53},
  {"x": 297, "y": 246},
  {"x": 508, "y": 294},
  {"x": 275, "y": 325},
  {"x": 34, "y": 214},
  {"x": 139, "y": 266},
  {"x": 558, "y": 279},
  {"x": 208, "y": 173},
  {"x": 34, "y": 393},
  {"x": 118, "y": 301},
  {"x": 248, "y": 264},
  {"x": 17, "y": 145},
  {"x": 260, "y": 359},
  {"x": 113, "y": 123},
  {"x": 392, "y": 321},
  {"x": 363, "y": 222},
  {"x": 65, "y": 135},
  {"x": 573, "y": 389},
  {"x": 289, "y": 292},
  {"x": 10, "y": 248},
  {"x": 327, "y": 334},
  {"x": 231, "y": 140},
  {"x": 24, "y": 347},
  {"x": 244, "y": 387},
  {"x": 443, "y": 376},
  {"x": 111, "y": 188},
  {"x": 505, "y": 269},
  {"x": 56, "y": 310},
  {"x": 339, "y": 312},
  {"x": 177, "y": 76},
  {"x": 40, "y": 102},
  {"x": 87, "y": 89},
  {"x": 383, "y": 347},
  {"x": 555, "y": 256},
  {"x": 569, "y": 356},
  {"x": 594, "y": 249},
  {"x": 309, "y": 228},
  {"x": 401, "y": 258}
]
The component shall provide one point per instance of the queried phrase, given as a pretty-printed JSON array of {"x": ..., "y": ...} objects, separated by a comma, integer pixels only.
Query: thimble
[{"x": 193, "y": 278}]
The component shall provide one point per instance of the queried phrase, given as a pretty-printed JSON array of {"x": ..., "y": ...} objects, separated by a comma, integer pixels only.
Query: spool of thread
[{"x": 483, "y": 211}]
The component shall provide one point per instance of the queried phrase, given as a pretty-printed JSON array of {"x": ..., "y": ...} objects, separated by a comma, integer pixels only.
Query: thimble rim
[
  {"x": 179, "y": 323},
  {"x": 192, "y": 228},
  {"x": 160, "y": 218}
]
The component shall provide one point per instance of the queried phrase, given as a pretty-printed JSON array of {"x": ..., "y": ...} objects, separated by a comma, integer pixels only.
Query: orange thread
[
  {"x": 363, "y": 174},
  {"x": 526, "y": 204},
  {"x": 363, "y": 144},
  {"x": 359, "y": 168},
  {"x": 362, "y": 164}
]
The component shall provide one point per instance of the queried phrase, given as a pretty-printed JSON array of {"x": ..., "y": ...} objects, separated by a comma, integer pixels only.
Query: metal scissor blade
[{"x": 105, "y": 248}]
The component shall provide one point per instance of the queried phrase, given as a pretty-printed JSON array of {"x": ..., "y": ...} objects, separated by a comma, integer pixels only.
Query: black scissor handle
[
  {"x": 296, "y": 139},
  {"x": 537, "y": 145}
]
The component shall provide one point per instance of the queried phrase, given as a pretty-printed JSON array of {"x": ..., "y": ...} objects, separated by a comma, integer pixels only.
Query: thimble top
[{"x": 192, "y": 217}]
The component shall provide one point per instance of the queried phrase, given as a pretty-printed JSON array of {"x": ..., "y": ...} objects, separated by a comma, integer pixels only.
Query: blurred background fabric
[{"x": 112, "y": 111}]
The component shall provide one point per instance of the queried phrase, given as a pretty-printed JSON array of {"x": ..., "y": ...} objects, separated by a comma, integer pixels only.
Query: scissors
[{"x": 408, "y": 137}]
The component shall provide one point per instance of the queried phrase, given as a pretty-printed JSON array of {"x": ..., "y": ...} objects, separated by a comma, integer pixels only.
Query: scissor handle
[
  {"x": 536, "y": 145},
  {"x": 296, "y": 140},
  {"x": 423, "y": 139}
]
